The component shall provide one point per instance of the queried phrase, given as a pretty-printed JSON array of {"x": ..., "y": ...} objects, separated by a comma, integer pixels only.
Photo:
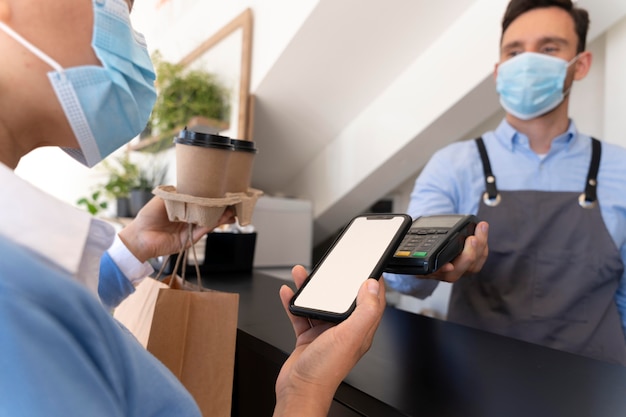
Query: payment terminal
[{"x": 431, "y": 242}]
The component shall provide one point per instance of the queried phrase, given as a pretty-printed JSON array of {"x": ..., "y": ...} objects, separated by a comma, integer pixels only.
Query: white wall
[
  {"x": 54, "y": 171},
  {"x": 587, "y": 102},
  {"x": 615, "y": 84},
  {"x": 179, "y": 26}
]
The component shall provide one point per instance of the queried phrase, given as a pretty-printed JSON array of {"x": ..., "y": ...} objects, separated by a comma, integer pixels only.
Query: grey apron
[{"x": 552, "y": 270}]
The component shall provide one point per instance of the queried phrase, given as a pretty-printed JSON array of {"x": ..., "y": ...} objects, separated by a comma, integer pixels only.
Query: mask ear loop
[
  {"x": 573, "y": 60},
  {"x": 569, "y": 64},
  {"x": 34, "y": 50}
]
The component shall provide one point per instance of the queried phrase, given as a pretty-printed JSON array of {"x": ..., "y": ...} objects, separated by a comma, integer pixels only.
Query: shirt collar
[
  {"x": 61, "y": 234},
  {"x": 511, "y": 138}
]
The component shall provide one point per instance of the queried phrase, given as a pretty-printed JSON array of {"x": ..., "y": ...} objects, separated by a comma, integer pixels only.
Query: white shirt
[{"x": 67, "y": 238}]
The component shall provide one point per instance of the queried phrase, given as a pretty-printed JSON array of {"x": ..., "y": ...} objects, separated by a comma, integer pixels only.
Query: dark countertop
[{"x": 420, "y": 366}]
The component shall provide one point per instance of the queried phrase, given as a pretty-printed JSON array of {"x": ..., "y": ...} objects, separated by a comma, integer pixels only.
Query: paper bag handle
[{"x": 182, "y": 254}]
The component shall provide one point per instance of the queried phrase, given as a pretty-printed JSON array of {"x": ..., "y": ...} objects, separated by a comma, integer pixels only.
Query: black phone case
[{"x": 377, "y": 272}]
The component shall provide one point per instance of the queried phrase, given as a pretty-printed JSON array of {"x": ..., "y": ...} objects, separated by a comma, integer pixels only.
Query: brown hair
[{"x": 580, "y": 16}]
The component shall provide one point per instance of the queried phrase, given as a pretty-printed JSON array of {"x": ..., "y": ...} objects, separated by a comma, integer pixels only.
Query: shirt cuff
[{"x": 130, "y": 266}]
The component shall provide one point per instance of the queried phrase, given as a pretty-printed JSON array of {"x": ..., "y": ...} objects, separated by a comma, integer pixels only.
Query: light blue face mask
[
  {"x": 106, "y": 106},
  {"x": 531, "y": 84}
]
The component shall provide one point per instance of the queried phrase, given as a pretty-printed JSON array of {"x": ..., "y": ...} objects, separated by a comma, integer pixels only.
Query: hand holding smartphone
[{"x": 360, "y": 252}]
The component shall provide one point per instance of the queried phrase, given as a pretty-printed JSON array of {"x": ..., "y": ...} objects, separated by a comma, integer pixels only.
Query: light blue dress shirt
[
  {"x": 61, "y": 351},
  {"x": 453, "y": 182},
  {"x": 64, "y": 355}
]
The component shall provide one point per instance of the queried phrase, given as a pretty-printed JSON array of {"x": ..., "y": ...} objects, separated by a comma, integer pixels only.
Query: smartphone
[
  {"x": 431, "y": 242},
  {"x": 360, "y": 252}
]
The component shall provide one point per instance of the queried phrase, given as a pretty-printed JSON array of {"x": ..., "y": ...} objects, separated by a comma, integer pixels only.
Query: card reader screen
[{"x": 436, "y": 221}]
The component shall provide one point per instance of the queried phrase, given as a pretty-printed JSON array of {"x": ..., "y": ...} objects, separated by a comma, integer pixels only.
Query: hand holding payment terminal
[{"x": 431, "y": 242}]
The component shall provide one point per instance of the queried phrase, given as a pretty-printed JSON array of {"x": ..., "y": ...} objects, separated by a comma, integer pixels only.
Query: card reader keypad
[{"x": 418, "y": 242}]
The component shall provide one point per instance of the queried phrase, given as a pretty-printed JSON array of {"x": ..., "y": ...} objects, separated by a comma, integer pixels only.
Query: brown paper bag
[
  {"x": 193, "y": 333},
  {"x": 137, "y": 310}
]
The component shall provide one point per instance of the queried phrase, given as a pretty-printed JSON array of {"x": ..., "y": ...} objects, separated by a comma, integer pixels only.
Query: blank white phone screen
[{"x": 335, "y": 284}]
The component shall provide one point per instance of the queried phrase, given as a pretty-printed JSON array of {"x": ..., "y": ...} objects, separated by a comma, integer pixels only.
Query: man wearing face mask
[
  {"x": 75, "y": 74},
  {"x": 554, "y": 198}
]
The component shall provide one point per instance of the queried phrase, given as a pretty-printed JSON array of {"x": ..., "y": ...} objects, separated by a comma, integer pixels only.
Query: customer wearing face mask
[
  {"x": 74, "y": 74},
  {"x": 554, "y": 199}
]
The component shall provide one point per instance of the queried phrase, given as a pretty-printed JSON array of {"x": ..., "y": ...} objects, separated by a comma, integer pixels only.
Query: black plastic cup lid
[
  {"x": 243, "y": 145},
  {"x": 205, "y": 140}
]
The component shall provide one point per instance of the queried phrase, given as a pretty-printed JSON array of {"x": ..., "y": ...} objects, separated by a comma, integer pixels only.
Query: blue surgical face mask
[
  {"x": 531, "y": 84},
  {"x": 106, "y": 106}
]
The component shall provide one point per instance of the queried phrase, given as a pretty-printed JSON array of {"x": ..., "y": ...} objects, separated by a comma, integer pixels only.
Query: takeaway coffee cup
[
  {"x": 239, "y": 172},
  {"x": 201, "y": 163}
]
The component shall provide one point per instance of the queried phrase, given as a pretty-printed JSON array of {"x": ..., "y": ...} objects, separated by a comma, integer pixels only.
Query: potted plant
[
  {"x": 122, "y": 178},
  {"x": 93, "y": 203},
  {"x": 184, "y": 95},
  {"x": 148, "y": 178}
]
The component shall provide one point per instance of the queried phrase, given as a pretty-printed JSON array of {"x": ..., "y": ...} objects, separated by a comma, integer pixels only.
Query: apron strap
[
  {"x": 491, "y": 197},
  {"x": 589, "y": 197}
]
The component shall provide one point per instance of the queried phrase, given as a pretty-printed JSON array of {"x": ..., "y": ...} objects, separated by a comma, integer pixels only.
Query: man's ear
[
  {"x": 495, "y": 70},
  {"x": 582, "y": 65}
]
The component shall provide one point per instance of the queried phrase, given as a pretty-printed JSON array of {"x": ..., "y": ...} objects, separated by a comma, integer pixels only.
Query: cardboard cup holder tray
[{"x": 207, "y": 211}]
